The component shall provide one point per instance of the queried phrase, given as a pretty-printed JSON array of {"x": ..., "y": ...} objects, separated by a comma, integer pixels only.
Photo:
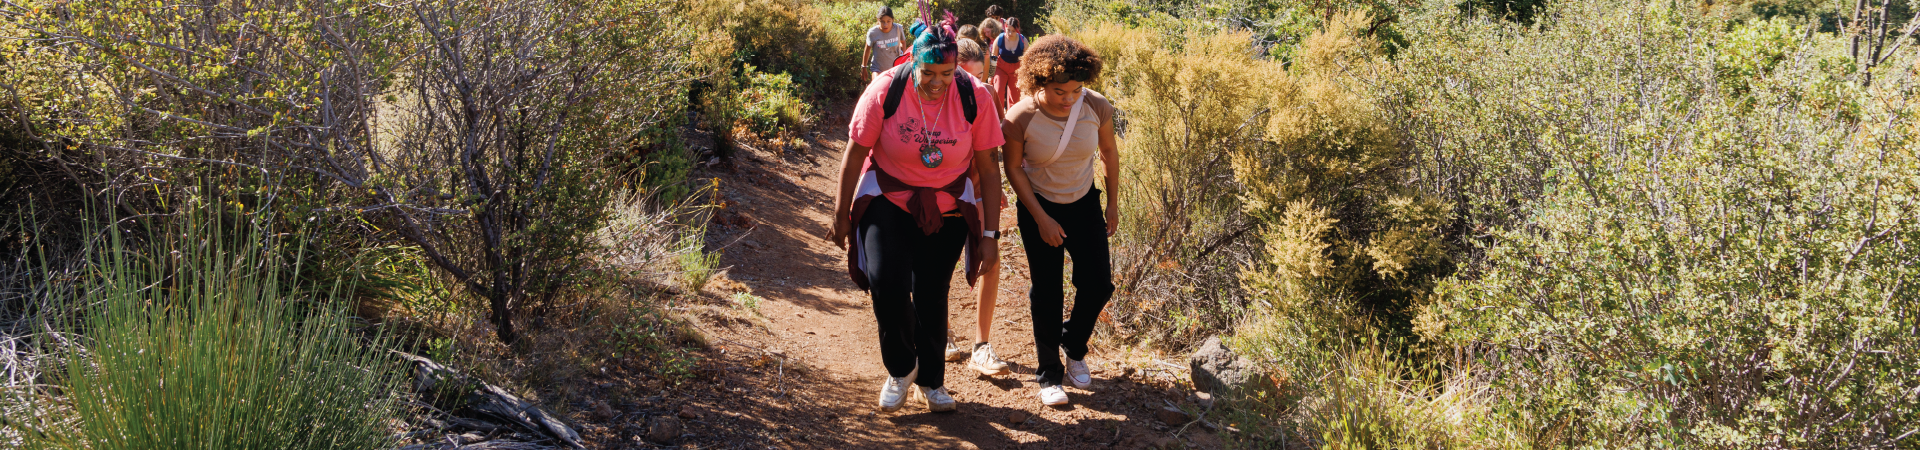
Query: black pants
[
  {"x": 909, "y": 274},
  {"x": 1086, "y": 227}
]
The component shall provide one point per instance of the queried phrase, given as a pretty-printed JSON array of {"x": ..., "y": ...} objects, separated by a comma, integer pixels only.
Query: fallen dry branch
[{"x": 458, "y": 393}]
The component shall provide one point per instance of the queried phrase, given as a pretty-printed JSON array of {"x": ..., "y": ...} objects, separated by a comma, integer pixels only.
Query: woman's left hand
[
  {"x": 1113, "y": 221},
  {"x": 990, "y": 257}
]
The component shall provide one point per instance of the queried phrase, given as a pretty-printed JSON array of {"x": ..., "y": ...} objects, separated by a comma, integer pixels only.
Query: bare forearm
[
  {"x": 988, "y": 183},
  {"x": 1110, "y": 154},
  {"x": 1113, "y": 186},
  {"x": 850, "y": 162}
]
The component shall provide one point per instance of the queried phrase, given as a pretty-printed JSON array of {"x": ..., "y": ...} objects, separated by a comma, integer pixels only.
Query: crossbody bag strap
[{"x": 1066, "y": 133}]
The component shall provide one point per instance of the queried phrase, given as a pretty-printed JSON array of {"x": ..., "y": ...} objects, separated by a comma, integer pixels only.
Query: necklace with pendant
[{"x": 930, "y": 155}]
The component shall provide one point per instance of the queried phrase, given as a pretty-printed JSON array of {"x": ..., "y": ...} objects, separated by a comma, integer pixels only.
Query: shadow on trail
[{"x": 991, "y": 426}]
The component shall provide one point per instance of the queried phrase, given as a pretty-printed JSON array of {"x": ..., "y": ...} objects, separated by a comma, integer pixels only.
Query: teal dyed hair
[{"x": 931, "y": 48}]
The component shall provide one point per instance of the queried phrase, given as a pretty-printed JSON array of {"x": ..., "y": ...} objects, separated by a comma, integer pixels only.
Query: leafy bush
[
  {"x": 1519, "y": 11},
  {"x": 1340, "y": 223},
  {"x": 773, "y": 104},
  {"x": 1224, "y": 151},
  {"x": 1290, "y": 173},
  {"x": 1277, "y": 28},
  {"x": 1184, "y": 110},
  {"x": 1690, "y": 271},
  {"x": 845, "y": 23},
  {"x": 973, "y": 11},
  {"x": 491, "y": 155},
  {"x": 545, "y": 119},
  {"x": 747, "y": 300},
  {"x": 1751, "y": 51},
  {"x": 697, "y": 266},
  {"x": 788, "y": 36},
  {"x": 199, "y": 342},
  {"x": 1627, "y": 227}
]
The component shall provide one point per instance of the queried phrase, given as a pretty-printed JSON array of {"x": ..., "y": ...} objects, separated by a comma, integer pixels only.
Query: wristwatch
[{"x": 991, "y": 234}]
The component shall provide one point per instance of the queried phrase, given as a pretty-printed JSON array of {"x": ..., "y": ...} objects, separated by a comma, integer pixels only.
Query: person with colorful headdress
[{"x": 907, "y": 210}]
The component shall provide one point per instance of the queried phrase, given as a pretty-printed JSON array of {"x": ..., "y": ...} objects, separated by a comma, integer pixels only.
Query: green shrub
[
  {"x": 200, "y": 342},
  {"x": 1339, "y": 221},
  {"x": 661, "y": 344},
  {"x": 1359, "y": 392},
  {"x": 788, "y": 36},
  {"x": 1181, "y": 219},
  {"x": 661, "y": 163},
  {"x": 772, "y": 103},
  {"x": 1519, "y": 11},
  {"x": 1627, "y": 227},
  {"x": 1752, "y": 50},
  {"x": 746, "y": 300},
  {"x": 845, "y": 23},
  {"x": 1276, "y": 28},
  {"x": 1685, "y": 232},
  {"x": 1291, "y": 174},
  {"x": 493, "y": 157},
  {"x": 1225, "y": 153},
  {"x": 697, "y": 266}
]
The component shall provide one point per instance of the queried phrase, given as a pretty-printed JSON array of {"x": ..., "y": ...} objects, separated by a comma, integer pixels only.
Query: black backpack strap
[
  {"x": 901, "y": 75},
  {"x": 967, "y": 104},
  {"x": 898, "y": 88}
]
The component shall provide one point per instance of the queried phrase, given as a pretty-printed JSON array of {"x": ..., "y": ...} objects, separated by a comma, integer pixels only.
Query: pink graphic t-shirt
[{"x": 897, "y": 141}]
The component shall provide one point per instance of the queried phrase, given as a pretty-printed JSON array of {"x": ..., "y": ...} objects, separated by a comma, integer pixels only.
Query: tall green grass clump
[{"x": 199, "y": 340}]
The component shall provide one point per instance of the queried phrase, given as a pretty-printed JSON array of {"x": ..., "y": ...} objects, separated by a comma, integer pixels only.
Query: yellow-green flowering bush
[
  {"x": 1233, "y": 162},
  {"x": 1185, "y": 104}
]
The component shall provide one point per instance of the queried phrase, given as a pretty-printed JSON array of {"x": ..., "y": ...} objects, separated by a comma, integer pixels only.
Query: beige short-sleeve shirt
[{"x": 1069, "y": 176}]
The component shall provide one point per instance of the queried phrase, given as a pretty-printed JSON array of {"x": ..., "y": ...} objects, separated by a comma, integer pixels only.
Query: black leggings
[
  {"x": 910, "y": 272},
  {"x": 1086, "y": 227}
]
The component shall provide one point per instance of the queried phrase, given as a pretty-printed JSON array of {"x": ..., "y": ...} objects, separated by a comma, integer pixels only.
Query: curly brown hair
[{"x": 1057, "y": 59}]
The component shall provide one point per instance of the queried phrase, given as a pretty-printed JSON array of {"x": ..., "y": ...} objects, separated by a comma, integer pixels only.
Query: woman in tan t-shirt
[{"x": 1059, "y": 209}]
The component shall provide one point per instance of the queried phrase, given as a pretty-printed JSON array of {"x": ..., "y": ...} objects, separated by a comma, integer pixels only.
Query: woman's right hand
[
  {"x": 841, "y": 229},
  {"x": 1050, "y": 231}
]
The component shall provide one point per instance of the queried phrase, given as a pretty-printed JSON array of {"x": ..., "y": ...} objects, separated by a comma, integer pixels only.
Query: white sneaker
[
  {"x": 937, "y": 399},
  {"x": 986, "y": 362},
  {"x": 953, "y": 351},
  {"x": 894, "y": 391},
  {"x": 1053, "y": 395},
  {"x": 1077, "y": 373}
]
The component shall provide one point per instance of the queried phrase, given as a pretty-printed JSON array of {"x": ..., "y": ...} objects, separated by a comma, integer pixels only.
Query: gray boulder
[{"x": 1217, "y": 370}]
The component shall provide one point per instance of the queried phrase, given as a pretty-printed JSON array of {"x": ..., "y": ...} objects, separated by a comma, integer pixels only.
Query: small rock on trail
[
  {"x": 1172, "y": 416},
  {"x": 663, "y": 429}
]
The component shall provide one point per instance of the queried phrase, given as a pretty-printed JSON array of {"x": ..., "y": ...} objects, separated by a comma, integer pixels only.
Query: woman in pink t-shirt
[{"x": 906, "y": 210}]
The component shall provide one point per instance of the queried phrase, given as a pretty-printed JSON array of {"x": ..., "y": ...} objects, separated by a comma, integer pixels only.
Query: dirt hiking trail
[{"x": 820, "y": 330}]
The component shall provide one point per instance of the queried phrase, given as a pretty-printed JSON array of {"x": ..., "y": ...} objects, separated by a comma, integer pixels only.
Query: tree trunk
[{"x": 502, "y": 317}]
